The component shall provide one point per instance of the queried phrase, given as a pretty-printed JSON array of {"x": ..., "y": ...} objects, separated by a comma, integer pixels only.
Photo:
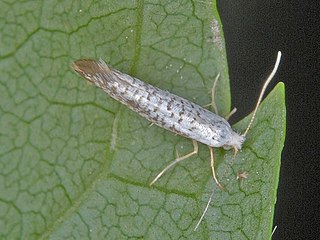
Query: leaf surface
[{"x": 74, "y": 163}]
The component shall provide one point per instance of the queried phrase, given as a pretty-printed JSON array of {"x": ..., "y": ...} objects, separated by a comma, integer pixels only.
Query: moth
[{"x": 168, "y": 110}]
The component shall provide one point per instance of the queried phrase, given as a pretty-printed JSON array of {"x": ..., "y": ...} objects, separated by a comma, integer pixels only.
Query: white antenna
[
  {"x": 204, "y": 212},
  {"x": 265, "y": 85}
]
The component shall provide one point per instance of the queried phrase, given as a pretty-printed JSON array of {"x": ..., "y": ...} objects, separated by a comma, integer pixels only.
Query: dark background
[{"x": 254, "y": 32}]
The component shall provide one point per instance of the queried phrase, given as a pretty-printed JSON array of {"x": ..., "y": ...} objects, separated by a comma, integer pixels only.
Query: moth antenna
[
  {"x": 204, "y": 212},
  {"x": 265, "y": 85}
]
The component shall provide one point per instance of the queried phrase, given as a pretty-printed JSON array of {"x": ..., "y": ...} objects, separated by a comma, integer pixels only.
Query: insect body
[
  {"x": 161, "y": 107},
  {"x": 167, "y": 110}
]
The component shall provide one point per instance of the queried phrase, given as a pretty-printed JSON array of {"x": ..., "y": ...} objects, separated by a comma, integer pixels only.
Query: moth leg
[
  {"x": 213, "y": 103},
  {"x": 213, "y": 90},
  {"x": 235, "y": 152},
  {"x": 178, "y": 159},
  {"x": 233, "y": 111},
  {"x": 212, "y": 168}
]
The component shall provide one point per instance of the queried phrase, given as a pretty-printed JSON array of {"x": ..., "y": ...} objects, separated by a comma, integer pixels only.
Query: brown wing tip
[{"x": 86, "y": 67}]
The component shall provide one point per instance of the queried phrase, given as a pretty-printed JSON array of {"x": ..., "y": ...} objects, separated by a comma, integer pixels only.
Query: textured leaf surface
[{"x": 76, "y": 164}]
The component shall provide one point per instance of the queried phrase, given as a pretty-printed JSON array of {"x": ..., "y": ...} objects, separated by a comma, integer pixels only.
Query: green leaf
[
  {"x": 245, "y": 210},
  {"x": 76, "y": 164}
]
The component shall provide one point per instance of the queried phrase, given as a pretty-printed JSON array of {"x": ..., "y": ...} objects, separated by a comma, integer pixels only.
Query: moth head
[{"x": 235, "y": 141}]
